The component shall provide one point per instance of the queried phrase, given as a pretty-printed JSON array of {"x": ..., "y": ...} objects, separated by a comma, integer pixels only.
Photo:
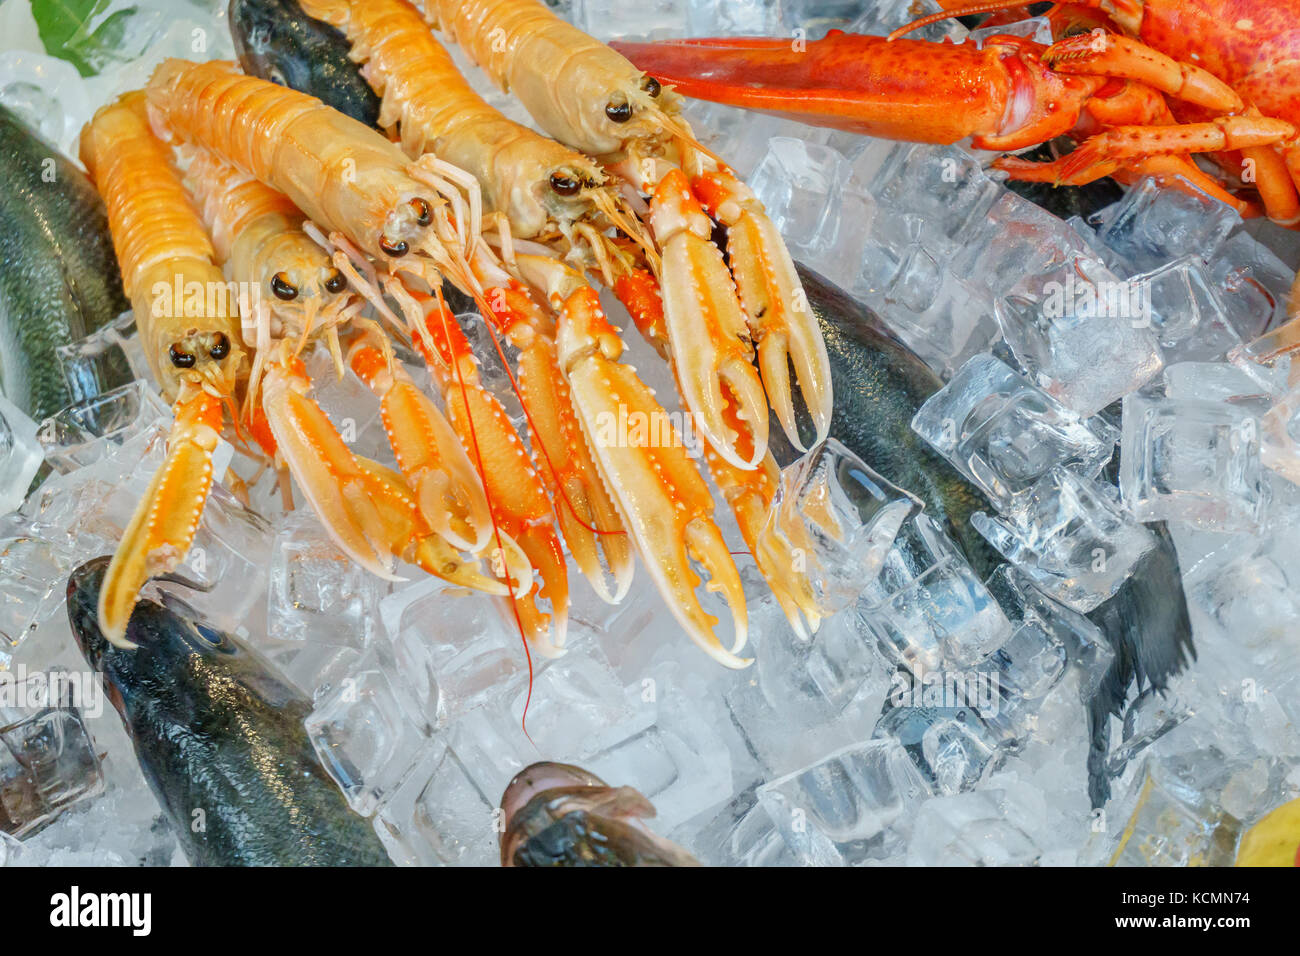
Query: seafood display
[{"x": 957, "y": 431}]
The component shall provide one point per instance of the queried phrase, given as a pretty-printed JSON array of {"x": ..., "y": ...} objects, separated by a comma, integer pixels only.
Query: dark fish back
[
  {"x": 276, "y": 41},
  {"x": 59, "y": 278},
  {"x": 221, "y": 741}
]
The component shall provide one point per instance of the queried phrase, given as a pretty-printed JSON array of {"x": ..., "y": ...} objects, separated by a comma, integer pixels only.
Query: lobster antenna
[{"x": 972, "y": 10}]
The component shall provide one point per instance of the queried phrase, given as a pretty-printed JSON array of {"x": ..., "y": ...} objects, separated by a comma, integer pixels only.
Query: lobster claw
[
  {"x": 904, "y": 89},
  {"x": 447, "y": 489},
  {"x": 167, "y": 517},
  {"x": 367, "y": 511},
  {"x": 705, "y": 324},
  {"x": 665, "y": 504},
  {"x": 780, "y": 319}
]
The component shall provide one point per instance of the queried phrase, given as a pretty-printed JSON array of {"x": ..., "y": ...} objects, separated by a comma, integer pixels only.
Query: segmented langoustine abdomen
[
  {"x": 258, "y": 231},
  {"x": 339, "y": 172},
  {"x": 187, "y": 318},
  {"x": 578, "y": 90},
  {"x": 440, "y": 112},
  {"x": 150, "y": 216}
]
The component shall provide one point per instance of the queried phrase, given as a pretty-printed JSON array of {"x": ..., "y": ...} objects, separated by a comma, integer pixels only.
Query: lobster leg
[
  {"x": 749, "y": 493},
  {"x": 664, "y": 502},
  {"x": 1104, "y": 153},
  {"x": 588, "y": 519},
  {"x": 447, "y": 489},
  {"x": 1108, "y": 54},
  {"x": 706, "y": 327},
  {"x": 521, "y": 510},
  {"x": 167, "y": 517},
  {"x": 371, "y": 517},
  {"x": 780, "y": 322}
]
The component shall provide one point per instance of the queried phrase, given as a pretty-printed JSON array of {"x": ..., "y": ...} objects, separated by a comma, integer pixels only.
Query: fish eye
[
  {"x": 618, "y": 112},
  {"x": 180, "y": 358},
  {"x": 283, "y": 288},
  {"x": 423, "y": 214},
  {"x": 336, "y": 282},
  {"x": 394, "y": 249},
  {"x": 651, "y": 86},
  {"x": 277, "y": 77},
  {"x": 565, "y": 185},
  {"x": 221, "y": 348}
]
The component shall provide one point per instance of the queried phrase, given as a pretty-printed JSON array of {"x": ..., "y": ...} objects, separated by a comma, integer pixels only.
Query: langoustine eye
[
  {"x": 336, "y": 282},
  {"x": 283, "y": 288},
  {"x": 180, "y": 358}
]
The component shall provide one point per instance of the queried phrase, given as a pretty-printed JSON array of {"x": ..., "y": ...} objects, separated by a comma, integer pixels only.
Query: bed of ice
[{"x": 826, "y": 751}]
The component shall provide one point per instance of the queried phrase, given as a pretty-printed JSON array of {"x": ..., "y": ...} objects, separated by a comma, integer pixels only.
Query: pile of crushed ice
[{"x": 834, "y": 750}]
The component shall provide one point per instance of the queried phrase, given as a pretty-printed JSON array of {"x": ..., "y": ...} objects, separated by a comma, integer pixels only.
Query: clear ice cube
[
  {"x": 317, "y": 593},
  {"x": 48, "y": 762},
  {"x": 837, "y": 811},
  {"x": 1071, "y": 538},
  {"x": 1081, "y": 333},
  {"x": 1194, "y": 461},
  {"x": 369, "y": 731},
  {"x": 971, "y": 829},
  {"x": 1153, "y": 224},
  {"x": 1186, "y": 312},
  {"x": 928, "y": 608},
  {"x": 1004, "y": 434},
  {"x": 20, "y": 455},
  {"x": 835, "y": 519}
]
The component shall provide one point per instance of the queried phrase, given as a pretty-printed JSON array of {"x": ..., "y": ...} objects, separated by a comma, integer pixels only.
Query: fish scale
[{"x": 59, "y": 279}]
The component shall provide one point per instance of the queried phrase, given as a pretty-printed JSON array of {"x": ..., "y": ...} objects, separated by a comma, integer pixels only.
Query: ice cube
[
  {"x": 733, "y": 17},
  {"x": 1194, "y": 461},
  {"x": 88, "y": 431},
  {"x": 438, "y": 817},
  {"x": 1047, "y": 628},
  {"x": 1177, "y": 820},
  {"x": 802, "y": 185},
  {"x": 944, "y": 186},
  {"x": 971, "y": 829},
  {"x": 1148, "y": 718},
  {"x": 741, "y": 834},
  {"x": 1186, "y": 312},
  {"x": 369, "y": 731},
  {"x": 1038, "y": 29},
  {"x": 35, "y": 574},
  {"x": 1154, "y": 223},
  {"x": 1252, "y": 283},
  {"x": 20, "y": 455},
  {"x": 105, "y": 359},
  {"x": 928, "y": 608},
  {"x": 1071, "y": 538},
  {"x": 935, "y": 718},
  {"x": 317, "y": 593},
  {"x": 1004, "y": 434},
  {"x": 816, "y": 17},
  {"x": 835, "y": 519},
  {"x": 619, "y": 19},
  {"x": 48, "y": 93},
  {"x": 885, "y": 16},
  {"x": 48, "y": 763},
  {"x": 458, "y": 667},
  {"x": 1280, "y": 437},
  {"x": 1081, "y": 333},
  {"x": 837, "y": 811}
]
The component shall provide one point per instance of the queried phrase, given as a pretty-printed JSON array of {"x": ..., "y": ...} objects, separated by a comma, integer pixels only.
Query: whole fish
[
  {"x": 59, "y": 280},
  {"x": 878, "y": 386},
  {"x": 220, "y": 738},
  {"x": 560, "y": 815},
  {"x": 276, "y": 41}
]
